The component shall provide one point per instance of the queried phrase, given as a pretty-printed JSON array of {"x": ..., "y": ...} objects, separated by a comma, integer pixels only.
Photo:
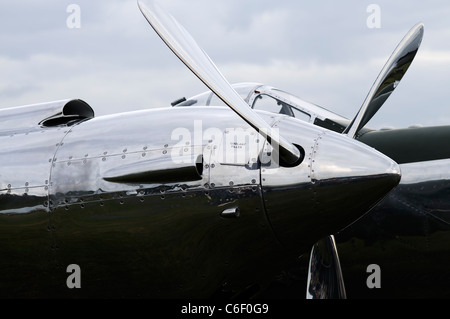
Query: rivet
[{"x": 104, "y": 159}]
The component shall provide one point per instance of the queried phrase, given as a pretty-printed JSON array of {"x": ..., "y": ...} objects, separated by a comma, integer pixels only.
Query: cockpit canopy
[{"x": 267, "y": 98}]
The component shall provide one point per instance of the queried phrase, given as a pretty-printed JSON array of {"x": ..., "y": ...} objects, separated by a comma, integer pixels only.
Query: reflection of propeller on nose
[{"x": 388, "y": 79}]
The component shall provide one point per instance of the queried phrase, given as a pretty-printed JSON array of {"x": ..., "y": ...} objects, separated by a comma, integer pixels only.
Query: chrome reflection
[
  {"x": 325, "y": 280},
  {"x": 388, "y": 79},
  {"x": 418, "y": 172}
]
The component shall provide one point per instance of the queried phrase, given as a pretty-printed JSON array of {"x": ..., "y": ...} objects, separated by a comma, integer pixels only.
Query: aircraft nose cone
[
  {"x": 341, "y": 159},
  {"x": 348, "y": 179},
  {"x": 345, "y": 179}
]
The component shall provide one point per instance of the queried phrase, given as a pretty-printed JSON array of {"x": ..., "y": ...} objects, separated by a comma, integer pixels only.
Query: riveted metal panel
[{"x": 26, "y": 160}]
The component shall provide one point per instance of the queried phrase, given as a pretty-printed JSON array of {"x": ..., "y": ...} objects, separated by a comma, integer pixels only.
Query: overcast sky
[{"x": 322, "y": 51}]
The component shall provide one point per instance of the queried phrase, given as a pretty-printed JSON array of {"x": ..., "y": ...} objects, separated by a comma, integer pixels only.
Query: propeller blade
[
  {"x": 325, "y": 280},
  {"x": 187, "y": 50},
  {"x": 388, "y": 79}
]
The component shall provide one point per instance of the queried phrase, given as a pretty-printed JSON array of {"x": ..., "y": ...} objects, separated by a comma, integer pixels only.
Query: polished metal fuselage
[{"x": 150, "y": 204}]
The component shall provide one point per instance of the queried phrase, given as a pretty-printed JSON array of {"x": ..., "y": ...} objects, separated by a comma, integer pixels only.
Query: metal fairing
[
  {"x": 332, "y": 187},
  {"x": 33, "y": 117}
]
